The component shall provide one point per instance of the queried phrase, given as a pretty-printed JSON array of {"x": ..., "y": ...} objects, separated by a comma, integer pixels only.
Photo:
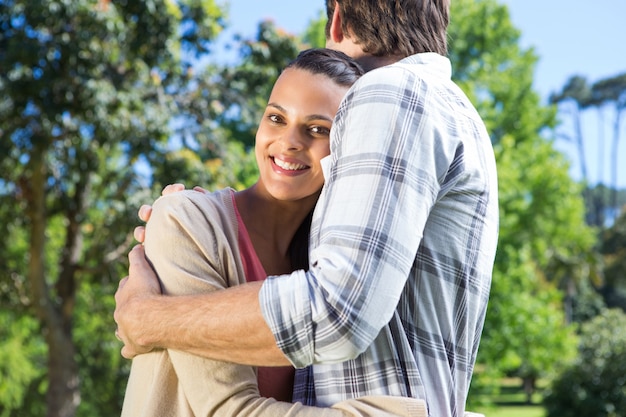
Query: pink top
[{"x": 274, "y": 382}]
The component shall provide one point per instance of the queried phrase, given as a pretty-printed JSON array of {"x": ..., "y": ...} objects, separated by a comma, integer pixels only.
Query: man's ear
[{"x": 336, "y": 32}]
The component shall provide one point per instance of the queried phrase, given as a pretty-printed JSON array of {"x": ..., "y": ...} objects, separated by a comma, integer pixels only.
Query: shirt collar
[{"x": 432, "y": 63}]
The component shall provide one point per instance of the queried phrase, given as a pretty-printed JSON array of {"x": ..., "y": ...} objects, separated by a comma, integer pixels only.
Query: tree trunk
[
  {"x": 598, "y": 203},
  {"x": 615, "y": 161},
  {"x": 529, "y": 388},
  {"x": 63, "y": 394},
  {"x": 580, "y": 145}
]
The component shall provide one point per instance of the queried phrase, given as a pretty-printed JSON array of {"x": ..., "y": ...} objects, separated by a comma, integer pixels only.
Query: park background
[{"x": 103, "y": 103}]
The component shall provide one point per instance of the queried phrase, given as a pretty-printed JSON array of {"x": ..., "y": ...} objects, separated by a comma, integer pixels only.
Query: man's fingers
[
  {"x": 136, "y": 260},
  {"x": 140, "y": 234},
  {"x": 141, "y": 275},
  {"x": 144, "y": 212},
  {"x": 173, "y": 188},
  {"x": 136, "y": 257},
  {"x": 119, "y": 299},
  {"x": 200, "y": 189},
  {"x": 122, "y": 283},
  {"x": 141, "y": 282},
  {"x": 127, "y": 353}
]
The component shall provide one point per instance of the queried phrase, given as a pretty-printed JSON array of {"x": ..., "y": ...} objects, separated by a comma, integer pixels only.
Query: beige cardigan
[{"x": 191, "y": 240}]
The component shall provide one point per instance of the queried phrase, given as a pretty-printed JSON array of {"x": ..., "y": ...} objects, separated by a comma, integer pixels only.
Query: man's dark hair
[{"x": 394, "y": 27}]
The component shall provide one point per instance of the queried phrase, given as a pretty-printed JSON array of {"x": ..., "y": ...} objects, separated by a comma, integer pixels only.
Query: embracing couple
[{"x": 352, "y": 278}]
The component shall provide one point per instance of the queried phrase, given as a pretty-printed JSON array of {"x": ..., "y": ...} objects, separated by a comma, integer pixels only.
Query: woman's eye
[
  {"x": 274, "y": 118},
  {"x": 320, "y": 130}
]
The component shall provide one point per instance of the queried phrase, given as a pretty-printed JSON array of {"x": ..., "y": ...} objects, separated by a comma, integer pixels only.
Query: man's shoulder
[
  {"x": 425, "y": 64},
  {"x": 426, "y": 70}
]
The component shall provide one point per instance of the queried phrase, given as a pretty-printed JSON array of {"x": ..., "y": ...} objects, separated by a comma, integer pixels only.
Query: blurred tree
[
  {"x": 611, "y": 92},
  {"x": 315, "y": 34},
  {"x": 544, "y": 246},
  {"x": 85, "y": 91},
  {"x": 17, "y": 367},
  {"x": 608, "y": 97},
  {"x": 248, "y": 85},
  {"x": 541, "y": 221},
  {"x": 614, "y": 251},
  {"x": 575, "y": 98},
  {"x": 495, "y": 72},
  {"x": 595, "y": 383}
]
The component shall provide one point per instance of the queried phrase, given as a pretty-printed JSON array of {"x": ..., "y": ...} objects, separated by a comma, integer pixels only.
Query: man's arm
[{"x": 225, "y": 325}]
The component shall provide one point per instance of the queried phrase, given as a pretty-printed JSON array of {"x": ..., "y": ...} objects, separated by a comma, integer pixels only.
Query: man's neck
[{"x": 369, "y": 62}]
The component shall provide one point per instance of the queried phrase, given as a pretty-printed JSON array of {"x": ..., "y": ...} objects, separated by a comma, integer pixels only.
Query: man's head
[{"x": 391, "y": 28}]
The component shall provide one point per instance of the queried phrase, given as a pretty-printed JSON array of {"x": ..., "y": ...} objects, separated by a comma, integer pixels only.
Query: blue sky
[{"x": 569, "y": 36}]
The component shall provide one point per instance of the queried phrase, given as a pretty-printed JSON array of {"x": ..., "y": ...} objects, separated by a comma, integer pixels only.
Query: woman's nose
[{"x": 293, "y": 139}]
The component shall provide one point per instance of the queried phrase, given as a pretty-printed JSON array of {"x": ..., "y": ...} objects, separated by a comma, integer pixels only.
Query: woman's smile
[{"x": 283, "y": 166}]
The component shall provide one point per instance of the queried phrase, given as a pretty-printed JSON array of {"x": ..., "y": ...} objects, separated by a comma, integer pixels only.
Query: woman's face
[{"x": 293, "y": 135}]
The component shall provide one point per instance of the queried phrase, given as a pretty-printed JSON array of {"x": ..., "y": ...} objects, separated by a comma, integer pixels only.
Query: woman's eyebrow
[
  {"x": 309, "y": 117},
  {"x": 319, "y": 117},
  {"x": 277, "y": 106}
]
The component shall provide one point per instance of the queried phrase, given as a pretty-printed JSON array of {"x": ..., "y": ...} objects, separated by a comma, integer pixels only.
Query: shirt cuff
[{"x": 286, "y": 308}]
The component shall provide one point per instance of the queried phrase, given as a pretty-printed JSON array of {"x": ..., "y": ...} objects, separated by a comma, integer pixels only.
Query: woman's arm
[{"x": 191, "y": 243}]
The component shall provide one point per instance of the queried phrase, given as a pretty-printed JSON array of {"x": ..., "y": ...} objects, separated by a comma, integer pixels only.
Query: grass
[
  {"x": 513, "y": 411},
  {"x": 511, "y": 402}
]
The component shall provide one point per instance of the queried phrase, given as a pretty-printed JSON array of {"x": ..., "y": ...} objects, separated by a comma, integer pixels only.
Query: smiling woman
[{"x": 293, "y": 135}]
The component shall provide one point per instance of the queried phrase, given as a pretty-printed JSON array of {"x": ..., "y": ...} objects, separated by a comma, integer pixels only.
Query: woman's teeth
[{"x": 288, "y": 165}]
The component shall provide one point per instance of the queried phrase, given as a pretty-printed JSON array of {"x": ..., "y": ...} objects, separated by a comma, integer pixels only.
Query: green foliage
[
  {"x": 541, "y": 222},
  {"x": 315, "y": 34},
  {"x": 247, "y": 85},
  {"x": 22, "y": 355},
  {"x": 103, "y": 370},
  {"x": 525, "y": 332},
  {"x": 595, "y": 384},
  {"x": 614, "y": 251},
  {"x": 540, "y": 205},
  {"x": 606, "y": 98},
  {"x": 602, "y": 210},
  {"x": 494, "y": 71},
  {"x": 587, "y": 304},
  {"x": 87, "y": 89},
  {"x": 514, "y": 411},
  {"x": 545, "y": 250},
  {"x": 237, "y": 168}
]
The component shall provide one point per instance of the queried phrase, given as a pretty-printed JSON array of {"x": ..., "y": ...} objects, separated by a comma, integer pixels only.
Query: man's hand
[{"x": 141, "y": 285}]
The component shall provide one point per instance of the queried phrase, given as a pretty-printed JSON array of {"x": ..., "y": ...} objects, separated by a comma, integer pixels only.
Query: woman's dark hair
[
  {"x": 299, "y": 246},
  {"x": 336, "y": 65},
  {"x": 344, "y": 71}
]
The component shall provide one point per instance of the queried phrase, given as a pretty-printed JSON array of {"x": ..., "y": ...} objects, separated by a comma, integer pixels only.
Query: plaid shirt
[{"x": 402, "y": 246}]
